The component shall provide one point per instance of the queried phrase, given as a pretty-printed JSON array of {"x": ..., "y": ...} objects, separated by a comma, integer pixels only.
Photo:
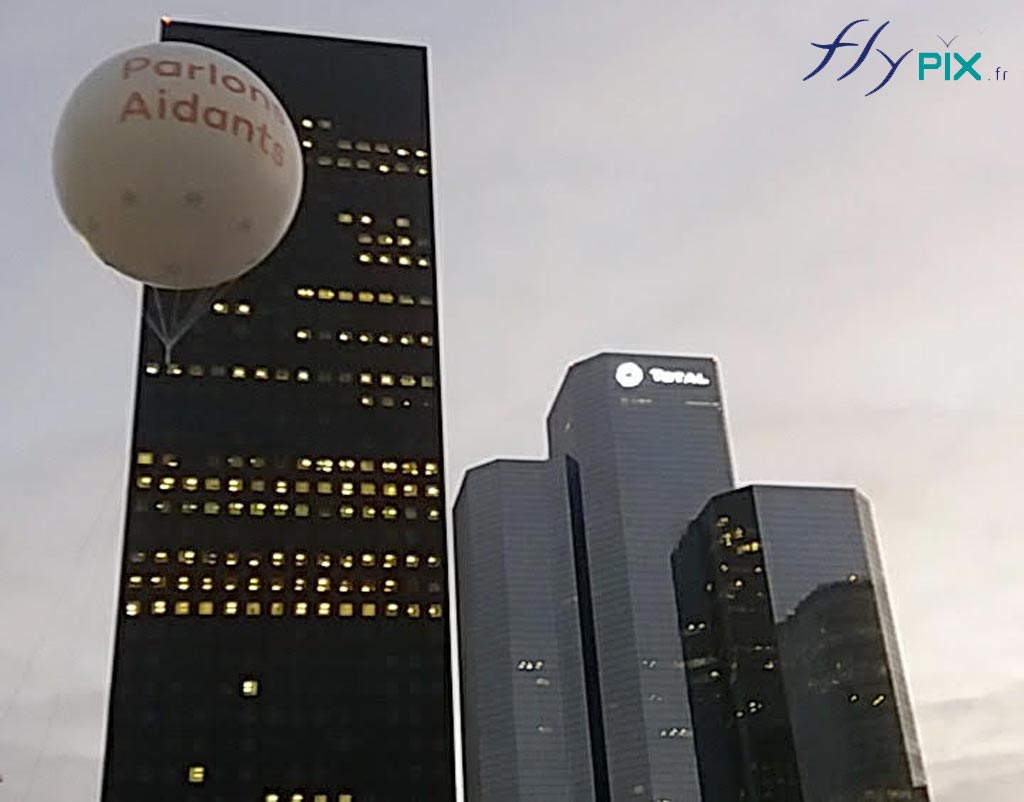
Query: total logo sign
[{"x": 630, "y": 374}]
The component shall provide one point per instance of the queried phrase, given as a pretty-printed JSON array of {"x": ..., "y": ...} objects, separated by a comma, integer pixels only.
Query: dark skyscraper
[
  {"x": 283, "y": 632},
  {"x": 796, "y": 686},
  {"x": 647, "y": 442},
  {"x": 567, "y": 562},
  {"x": 524, "y": 716}
]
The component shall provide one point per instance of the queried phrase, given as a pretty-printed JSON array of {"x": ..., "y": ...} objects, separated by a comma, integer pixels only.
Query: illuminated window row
[
  {"x": 674, "y": 732},
  {"x": 363, "y": 296},
  {"x": 234, "y": 484},
  {"x": 360, "y": 145},
  {"x": 390, "y": 402},
  {"x": 366, "y": 337},
  {"x": 251, "y": 609},
  {"x": 300, "y": 375},
  {"x": 343, "y": 465},
  {"x": 530, "y": 665},
  {"x": 321, "y": 123},
  {"x": 366, "y": 219},
  {"x": 282, "y": 509},
  {"x": 396, "y": 259},
  {"x": 398, "y": 238},
  {"x": 222, "y": 307},
  {"x": 378, "y": 165},
  {"x": 301, "y": 559},
  {"x": 406, "y": 467},
  {"x": 305, "y": 796},
  {"x": 275, "y": 584}
]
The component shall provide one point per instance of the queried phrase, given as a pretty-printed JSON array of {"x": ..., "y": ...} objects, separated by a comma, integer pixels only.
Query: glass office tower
[
  {"x": 523, "y": 713},
  {"x": 283, "y": 631},
  {"x": 796, "y": 685},
  {"x": 643, "y": 442}
]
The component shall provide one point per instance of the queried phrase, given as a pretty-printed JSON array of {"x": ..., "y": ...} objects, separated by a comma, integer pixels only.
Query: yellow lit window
[
  {"x": 404, "y": 261},
  {"x": 252, "y": 608},
  {"x": 369, "y": 559},
  {"x": 161, "y": 557},
  {"x": 166, "y": 483},
  {"x": 181, "y": 608},
  {"x": 305, "y": 292},
  {"x": 368, "y": 586},
  {"x": 345, "y": 218},
  {"x": 135, "y": 581},
  {"x": 346, "y": 295},
  {"x": 410, "y": 491},
  {"x": 324, "y": 161},
  {"x": 390, "y": 585},
  {"x": 391, "y": 610},
  {"x": 387, "y": 380},
  {"x": 277, "y": 608},
  {"x": 162, "y": 506},
  {"x": 365, "y": 258},
  {"x": 366, "y": 400},
  {"x": 402, "y": 222},
  {"x": 390, "y": 513},
  {"x": 408, "y": 381},
  {"x": 325, "y": 294},
  {"x": 144, "y": 458},
  {"x": 301, "y": 375},
  {"x": 348, "y": 561},
  {"x": 262, "y": 374},
  {"x": 426, "y": 381},
  {"x": 346, "y": 609},
  {"x": 433, "y": 514},
  {"x": 243, "y": 308},
  {"x": 231, "y": 583},
  {"x": 236, "y": 508},
  {"x": 196, "y": 775},
  {"x": 152, "y": 368},
  {"x": 390, "y": 489},
  {"x": 367, "y": 489},
  {"x": 369, "y": 513},
  {"x": 303, "y": 334},
  {"x": 187, "y": 557},
  {"x": 390, "y": 560},
  {"x": 345, "y": 586},
  {"x": 323, "y": 609},
  {"x": 212, "y": 483},
  {"x": 253, "y": 584},
  {"x": 412, "y": 561},
  {"x": 189, "y": 508},
  {"x": 433, "y": 562},
  {"x": 131, "y": 609},
  {"x": 231, "y": 608},
  {"x": 433, "y": 491},
  {"x": 345, "y": 798},
  {"x": 174, "y": 369},
  {"x": 301, "y": 510},
  {"x": 369, "y": 609},
  {"x": 323, "y": 584},
  {"x": 365, "y": 337},
  {"x": 406, "y": 339},
  {"x": 158, "y": 607},
  {"x": 384, "y": 259},
  {"x": 344, "y": 336},
  {"x": 404, "y": 241},
  {"x": 271, "y": 798},
  {"x": 324, "y": 488},
  {"x": 307, "y": 123},
  {"x": 206, "y": 583},
  {"x": 422, "y": 171},
  {"x": 158, "y": 581},
  {"x": 386, "y": 298},
  {"x": 209, "y": 558},
  {"x": 144, "y": 482},
  {"x": 365, "y": 297},
  {"x": 280, "y": 509},
  {"x": 250, "y": 688},
  {"x": 434, "y": 611},
  {"x": 347, "y": 488},
  {"x": 205, "y": 608},
  {"x": 301, "y": 608},
  {"x": 277, "y": 584},
  {"x": 301, "y": 559},
  {"x": 413, "y": 611},
  {"x": 421, "y": 154}
]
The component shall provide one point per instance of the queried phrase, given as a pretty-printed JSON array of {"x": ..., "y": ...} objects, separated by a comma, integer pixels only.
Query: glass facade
[
  {"x": 522, "y": 681},
  {"x": 644, "y": 444},
  {"x": 283, "y": 625},
  {"x": 795, "y": 683}
]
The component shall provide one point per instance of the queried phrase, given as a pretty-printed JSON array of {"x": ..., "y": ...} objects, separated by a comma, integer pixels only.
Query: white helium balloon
[{"x": 178, "y": 165}]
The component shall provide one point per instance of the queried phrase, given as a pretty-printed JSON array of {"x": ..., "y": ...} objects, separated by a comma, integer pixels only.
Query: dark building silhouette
[
  {"x": 637, "y": 444},
  {"x": 522, "y": 678},
  {"x": 795, "y": 681},
  {"x": 283, "y": 632}
]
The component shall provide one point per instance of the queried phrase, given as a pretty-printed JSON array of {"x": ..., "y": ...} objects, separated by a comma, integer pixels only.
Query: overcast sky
[{"x": 633, "y": 175}]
